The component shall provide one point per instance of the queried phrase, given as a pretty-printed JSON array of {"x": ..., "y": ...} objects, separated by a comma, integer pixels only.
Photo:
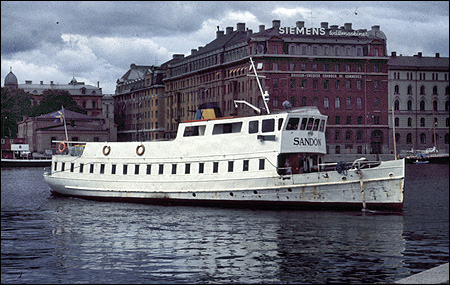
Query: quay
[{"x": 437, "y": 275}]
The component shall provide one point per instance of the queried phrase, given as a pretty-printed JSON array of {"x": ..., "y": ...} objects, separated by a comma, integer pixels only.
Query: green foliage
[
  {"x": 16, "y": 103},
  {"x": 52, "y": 101}
]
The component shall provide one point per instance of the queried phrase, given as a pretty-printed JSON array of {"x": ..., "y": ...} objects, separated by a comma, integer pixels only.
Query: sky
[{"x": 97, "y": 41}]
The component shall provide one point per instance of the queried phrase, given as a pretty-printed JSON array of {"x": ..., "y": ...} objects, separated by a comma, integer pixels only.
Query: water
[{"x": 46, "y": 239}]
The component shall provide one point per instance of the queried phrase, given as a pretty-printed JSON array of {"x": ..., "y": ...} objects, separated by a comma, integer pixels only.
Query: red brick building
[{"x": 342, "y": 71}]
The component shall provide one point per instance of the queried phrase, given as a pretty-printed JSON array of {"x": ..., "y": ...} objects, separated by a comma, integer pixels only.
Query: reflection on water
[{"x": 63, "y": 240}]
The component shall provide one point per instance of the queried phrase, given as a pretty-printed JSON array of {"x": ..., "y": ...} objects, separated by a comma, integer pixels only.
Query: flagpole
[{"x": 64, "y": 119}]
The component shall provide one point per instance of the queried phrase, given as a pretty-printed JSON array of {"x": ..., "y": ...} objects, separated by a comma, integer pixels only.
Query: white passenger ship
[{"x": 274, "y": 160}]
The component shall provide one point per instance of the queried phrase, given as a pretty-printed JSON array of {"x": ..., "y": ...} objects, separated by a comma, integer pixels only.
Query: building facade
[
  {"x": 342, "y": 71},
  {"x": 419, "y": 95},
  {"x": 139, "y": 104},
  {"x": 40, "y": 132}
]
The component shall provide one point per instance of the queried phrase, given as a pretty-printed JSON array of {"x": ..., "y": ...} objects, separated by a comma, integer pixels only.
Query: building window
[
  {"x": 409, "y": 105},
  {"x": 409, "y": 90},
  {"x": 337, "y": 103},
  {"x": 348, "y": 135},
  {"x": 435, "y": 90},
  {"x": 337, "y": 135},
  {"x": 348, "y": 84},
  {"x": 423, "y": 138},
  {"x": 396, "y": 105},
  {"x": 376, "y": 84},
  {"x": 325, "y": 103},
  {"x": 315, "y": 83},
  {"x": 409, "y": 138},
  {"x": 349, "y": 120},
  {"x": 359, "y": 103},
  {"x": 409, "y": 122},
  {"x": 422, "y": 105},
  {"x": 337, "y": 120},
  {"x": 275, "y": 66},
  {"x": 376, "y": 102},
  {"x": 326, "y": 83},
  {"x": 348, "y": 103},
  {"x": 422, "y": 90},
  {"x": 376, "y": 120},
  {"x": 396, "y": 89},
  {"x": 422, "y": 122},
  {"x": 304, "y": 83},
  {"x": 397, "y": 122}
]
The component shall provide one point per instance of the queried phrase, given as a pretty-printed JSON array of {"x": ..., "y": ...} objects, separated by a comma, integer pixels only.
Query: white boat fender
[
  {"x": 106, "y": 149},
  {"x": 140, "y": 149},
  {"x": 341, "y": 167}
]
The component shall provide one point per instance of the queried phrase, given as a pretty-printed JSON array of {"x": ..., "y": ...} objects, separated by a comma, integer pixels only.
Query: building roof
[
  {"x": 10, "y": 79},
  {"x": 69, "y": 115},
  {"x": 419, "y": 62}
]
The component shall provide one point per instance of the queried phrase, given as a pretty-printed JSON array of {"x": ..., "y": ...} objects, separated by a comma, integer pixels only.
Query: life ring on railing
[
  {"x": 140, "y": 149},
  {"x": 62, "y": 146},
  {"x": 106, "y": 149}
]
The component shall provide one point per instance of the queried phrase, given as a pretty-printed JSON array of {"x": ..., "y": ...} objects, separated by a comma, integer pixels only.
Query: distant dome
[{"x": 11, "y": 81}]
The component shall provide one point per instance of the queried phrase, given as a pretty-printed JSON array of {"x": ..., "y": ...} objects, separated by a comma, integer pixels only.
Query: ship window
[
  {"x": 149, "y": 169},
  {"x": 215, "y": 167},
  {"x": 192, "y": 131},
  {"x": 292, "y": 124},
  {"x": 136, "y": 169},
  {"x": 253, "y": 127},
  {"x": 230, "y": 166},
  {"x": 201, "y": 167},
  {"x": 174, "y": 169},
  {"x": 81, "y": 167},
  {"x": 227, "y": 128},
  {"x": 102, "y": 168},
  {"x": 113, "y": 169},
  {"x": 303, "y": 125},
  {"x": 71, "y": 167},
  {"x": 322, "y": 126},
  {"x": 245, "y": 166},
  {"x": 187, "y": 168},
  {"x": 268, "y": 125},
  {"x": 310, "y": 124},
  {"x": 91, "y": 168},
  {"x": 280, "y": 123},
  {"x": 261, "y": 163},
  {"x": 125, "y": 169},
  {"x": 55, "y": 166},
  {"x": 316, "y": 124},
  {"x": 63, "y": 165},
  {"x": 161, "y": 169}
]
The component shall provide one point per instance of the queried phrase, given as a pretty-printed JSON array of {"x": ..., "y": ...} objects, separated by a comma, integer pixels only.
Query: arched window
[
  {"x": 435, "y": 105},
  {"x": 396, "y": 105},
  {"x": 422, "y": 122},
  {"x": 409, "y": 90},
  {"x": 397, "y": 137},
  {"x": 435, "y": 90},
  {"x": 422, "y": 105},
  {"x": 397, "y": 122},
  {"x": 396, "y": 89},
  {"x": 409, "y": 122},
  {"x": 423, "y": 138},
  {"x": 422, "y": 90},
  {"x": 409, "y": 107},
  {"x": 348, "y": 135},
  {"x": 409, "y": 138}
]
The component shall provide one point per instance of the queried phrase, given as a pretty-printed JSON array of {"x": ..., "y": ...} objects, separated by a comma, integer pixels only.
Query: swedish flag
[{"x": 59, "y": 116}]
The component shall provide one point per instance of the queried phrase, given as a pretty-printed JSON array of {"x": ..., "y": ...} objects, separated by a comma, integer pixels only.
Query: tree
[
  {"x": 16, "y": 103},
  {"x": 52, "y": 101}
]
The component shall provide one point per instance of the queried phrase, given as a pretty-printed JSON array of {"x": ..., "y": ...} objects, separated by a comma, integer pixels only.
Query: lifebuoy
[
  {"x": 106, "y": 149},
  {"x": 61, "y": 146},
  {"x": 140, "y": 149}
]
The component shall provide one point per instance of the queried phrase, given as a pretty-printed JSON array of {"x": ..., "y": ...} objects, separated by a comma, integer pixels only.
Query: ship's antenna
[{"x": 264, "y": 95}]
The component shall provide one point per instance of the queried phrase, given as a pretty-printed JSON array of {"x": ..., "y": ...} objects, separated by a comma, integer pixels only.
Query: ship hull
[{"x": 380, "y": 188}]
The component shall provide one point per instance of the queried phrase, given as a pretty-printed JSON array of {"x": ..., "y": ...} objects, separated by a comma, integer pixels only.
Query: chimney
[
  {"x": 419, "y": 54},
  {"x": 249, "y": 32},
  {"x": 276, "y": 23},
  {"x": 132, "y": 66},
  {"x": 348, "y": 26},
  {"x": 262, "y": 28},
  {"x": 324, "y": 25},
  {"x": 219, "y": 34},
  {"x": 240, "y": 27},
  {"x": 229, "y": 30},
  {"x": 394, "y": 54},
  {"x": 51, "y": 82},
  {"x": 334, "y": 27},
  {"x": 42, "y": 82},
  {"x": 300, "y": 24},
  {"x": 193, "y": 51},
  {"x": 98, "y": 84},
  {"x": 437, "y": 55},
  {"x": 376, "y": 28},
  {"x": 178, "y": 56},
  {"x": 28, "y": 82}
]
